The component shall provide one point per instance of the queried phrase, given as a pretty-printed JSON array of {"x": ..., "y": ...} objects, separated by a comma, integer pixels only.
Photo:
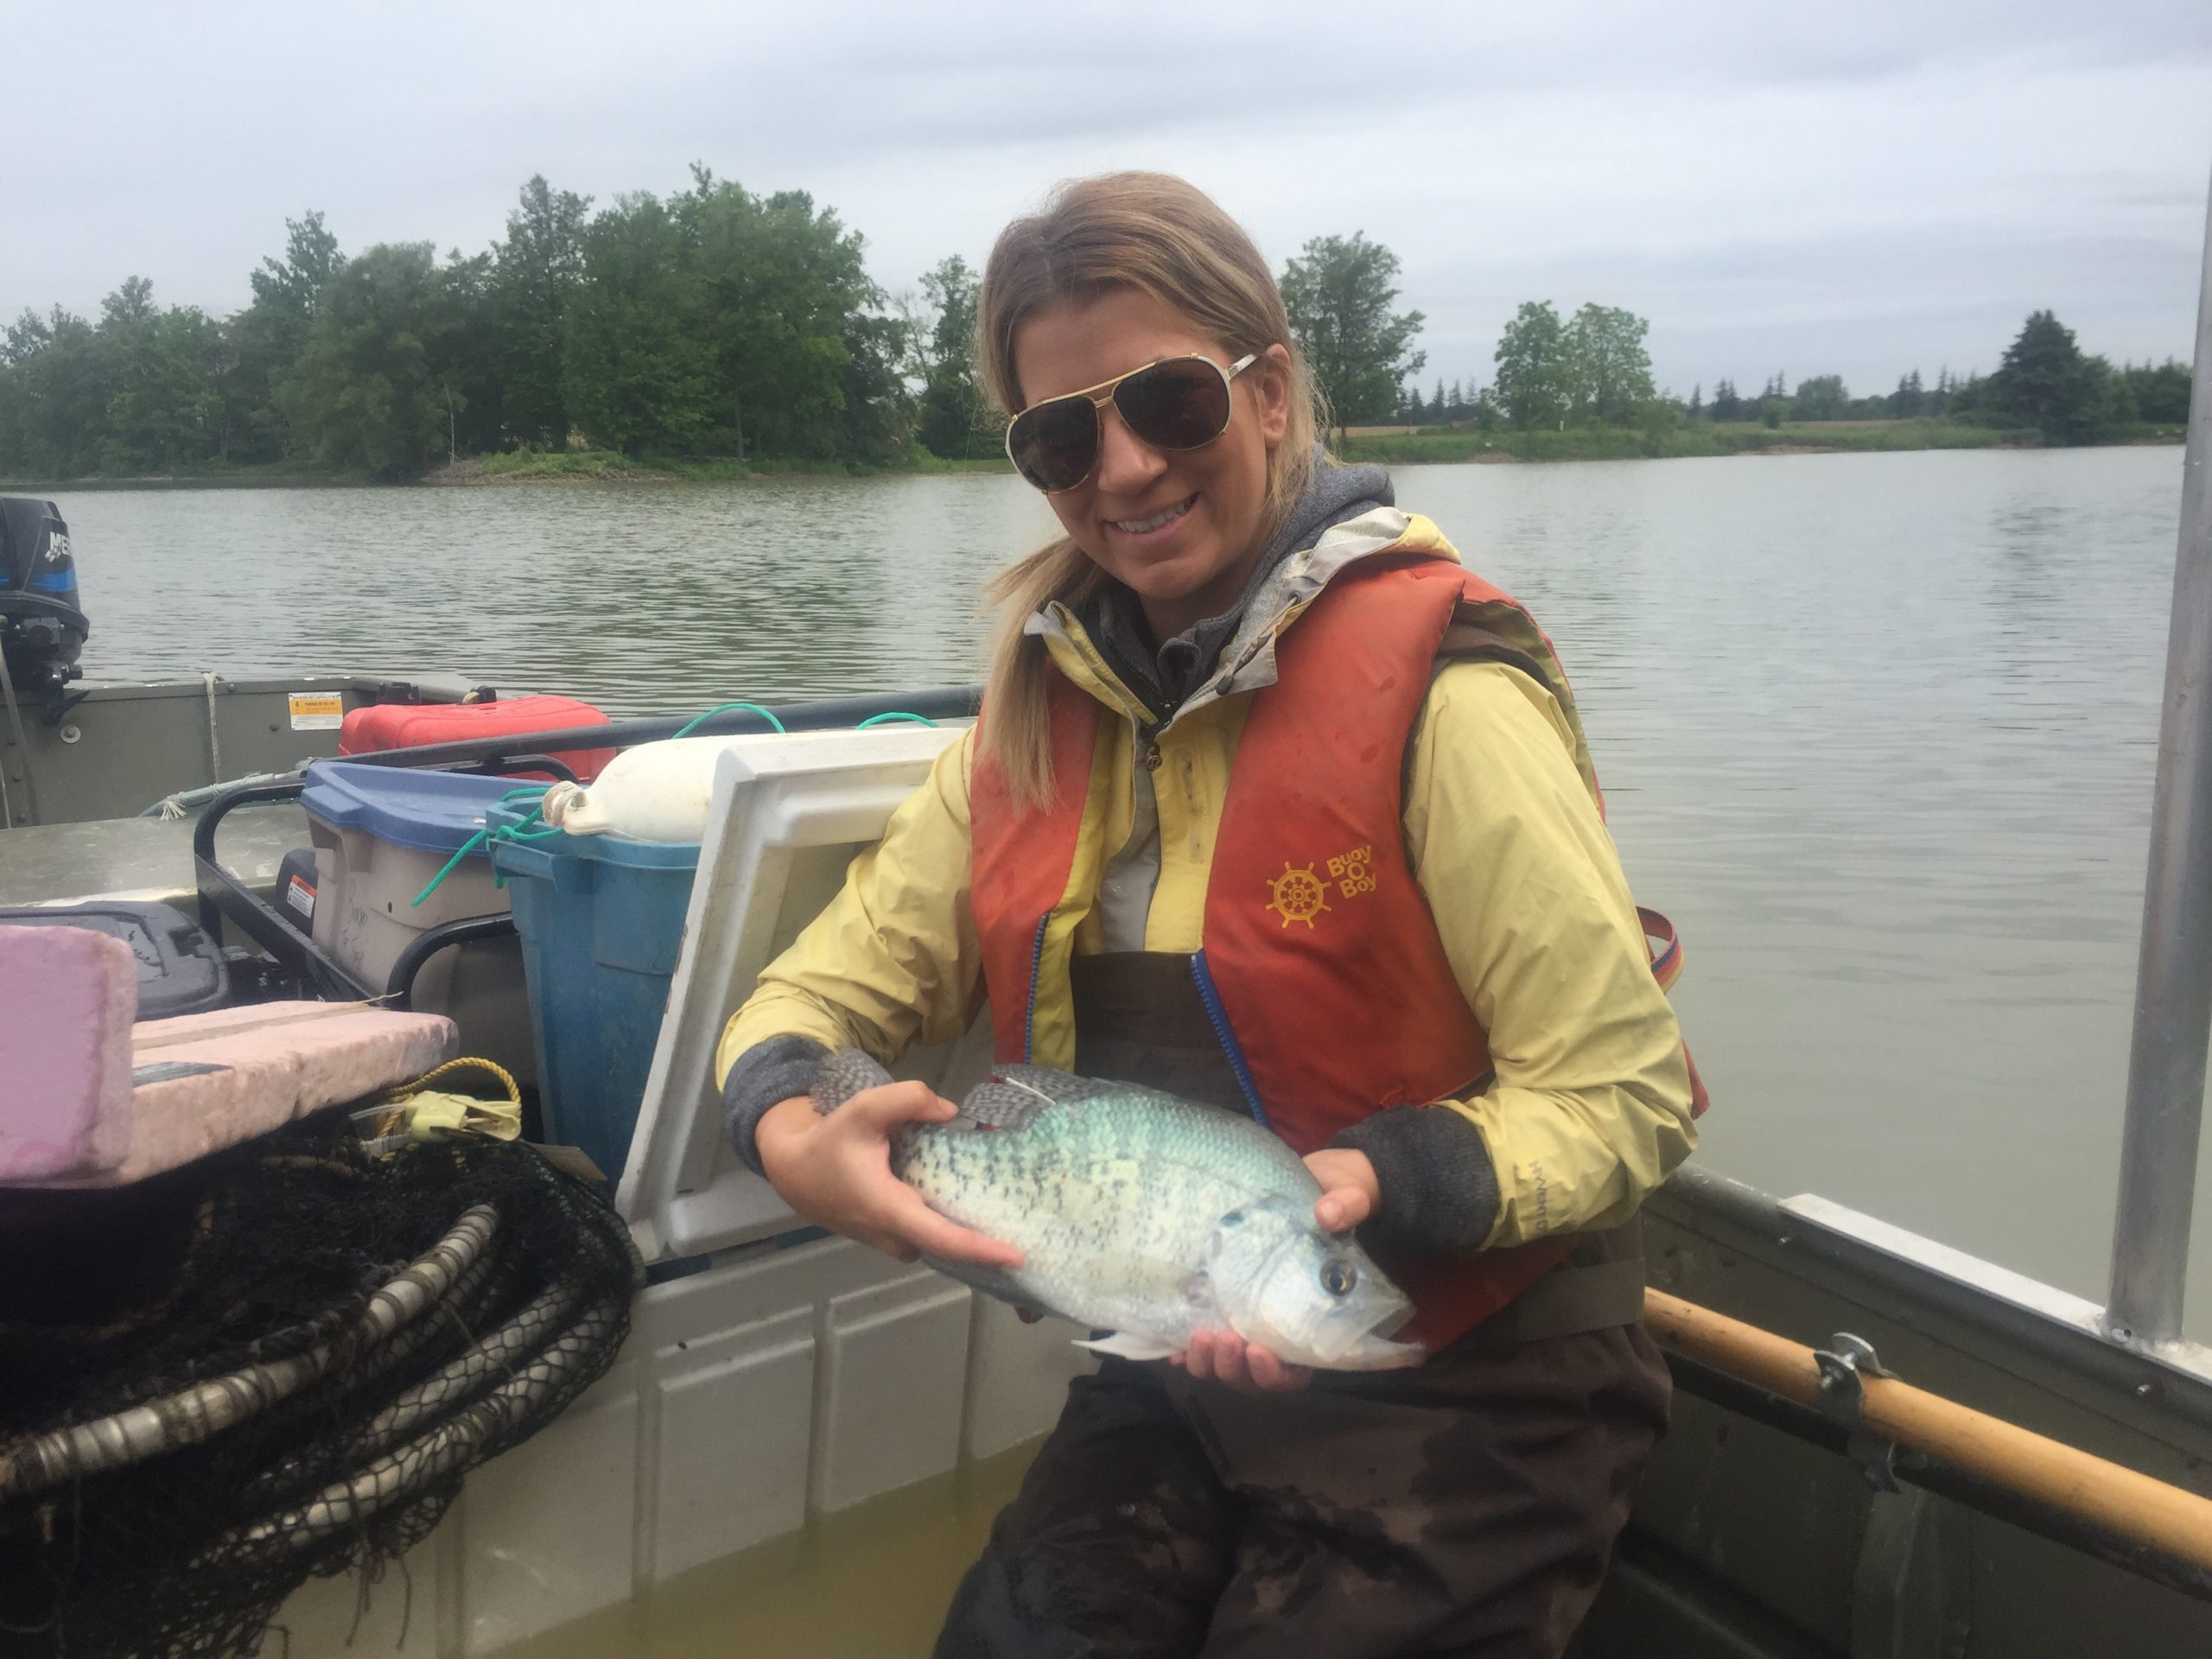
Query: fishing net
[{"x": 334, "y": 1338}]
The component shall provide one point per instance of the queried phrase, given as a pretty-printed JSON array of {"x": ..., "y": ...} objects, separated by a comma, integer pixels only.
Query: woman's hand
[
  {"x": 1247, "y": 1367},
  {"x": 1350, "y": 1194},
  {"x": 834, "y": 1169}
]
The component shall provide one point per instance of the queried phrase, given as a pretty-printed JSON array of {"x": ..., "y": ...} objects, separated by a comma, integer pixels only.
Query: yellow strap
[
  {"x": 506, "y": 1078},
  {"x": 412, "y": 1110}
]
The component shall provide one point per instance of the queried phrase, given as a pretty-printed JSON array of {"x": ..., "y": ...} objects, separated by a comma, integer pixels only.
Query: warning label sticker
[{"x": 317, "y": 711}]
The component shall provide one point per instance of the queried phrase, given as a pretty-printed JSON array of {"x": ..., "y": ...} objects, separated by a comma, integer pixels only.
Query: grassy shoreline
[
  {"x": 1430, "y": 446},
  {"x": 1436, "y": 445}
]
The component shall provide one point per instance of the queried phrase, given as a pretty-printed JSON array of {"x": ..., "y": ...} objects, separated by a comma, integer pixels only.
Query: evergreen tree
[
  {"x": 1906, "y": 402},
  {"x": 2047, "y": 381}
]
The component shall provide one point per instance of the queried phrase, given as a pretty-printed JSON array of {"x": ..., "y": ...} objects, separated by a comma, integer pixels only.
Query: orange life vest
[{"x": 1321, "y": 966}]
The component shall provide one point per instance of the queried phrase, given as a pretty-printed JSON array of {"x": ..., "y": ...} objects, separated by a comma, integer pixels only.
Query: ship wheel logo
[{"x": 1300, "y": 895}]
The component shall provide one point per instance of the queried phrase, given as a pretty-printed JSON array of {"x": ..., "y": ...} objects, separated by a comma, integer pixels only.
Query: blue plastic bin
[{"x": 601, "y": 924}]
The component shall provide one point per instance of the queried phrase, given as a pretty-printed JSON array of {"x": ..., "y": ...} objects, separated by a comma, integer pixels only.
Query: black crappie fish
[{"x": 1144, "y": 1215}]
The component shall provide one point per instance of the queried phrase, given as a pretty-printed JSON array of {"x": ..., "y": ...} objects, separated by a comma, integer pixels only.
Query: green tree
[
  {"x": 780, "y": 282},
  {"x": 1607, "y": 371},
  {"x": 536, "y": 270},
  {"x": 954, "y": 415},
  {"x": 876, "y": 425},
  {"x": 53, "y": 398},
  {"x": 2048, "y": 382},
  {"x": 367, "y": 392},
  {"x": 634, "y": 375},
  {"x": 272, "y": 330},
  {"x": 1532, "y": 372},
  {"x": 2159, "y": 393},
  {"x": 164, "y": 404},
  {"x": 1821, "y": 397},
  {"x": 1340, "y": 291}
]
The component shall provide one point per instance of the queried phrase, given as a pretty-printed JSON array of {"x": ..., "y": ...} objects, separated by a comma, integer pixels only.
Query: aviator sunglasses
[{"x": 1179, "y": 403}]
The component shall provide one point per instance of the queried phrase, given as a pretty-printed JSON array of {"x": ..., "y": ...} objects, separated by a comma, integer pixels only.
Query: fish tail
[{"x": 844, "y": 1074}]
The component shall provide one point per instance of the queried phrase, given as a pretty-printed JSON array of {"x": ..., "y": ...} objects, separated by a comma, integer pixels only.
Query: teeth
[{"x": 1138, "y": 526}]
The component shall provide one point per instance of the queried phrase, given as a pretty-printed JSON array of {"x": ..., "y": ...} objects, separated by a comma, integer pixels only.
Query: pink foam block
[
  {"x": 67, "y": 997},
  {"x": 211, "y": 1080}
]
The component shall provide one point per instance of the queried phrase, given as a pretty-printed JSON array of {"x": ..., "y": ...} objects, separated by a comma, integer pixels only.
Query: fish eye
[{"x": 1337, "y": 1277}]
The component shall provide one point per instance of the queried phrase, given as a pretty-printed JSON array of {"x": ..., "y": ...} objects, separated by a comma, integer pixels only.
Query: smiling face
[{"x": 1180, "y": 528}]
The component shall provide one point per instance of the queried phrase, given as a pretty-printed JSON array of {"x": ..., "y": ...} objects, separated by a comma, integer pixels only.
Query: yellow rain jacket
[{"x": 1589, "y": 1107}]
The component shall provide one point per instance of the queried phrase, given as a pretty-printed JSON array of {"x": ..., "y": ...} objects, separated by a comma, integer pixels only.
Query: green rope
[
  {"x": 768, "y": 715},
  {"x": 518, "y": 832},
  {"x": 522, "y": 831}
]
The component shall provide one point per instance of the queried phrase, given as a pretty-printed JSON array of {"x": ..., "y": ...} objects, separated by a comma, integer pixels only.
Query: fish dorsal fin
[
  {"x": 1014, "y": 1094},
  {"x": 1005, "y": 1103},
  {"x": 844, "y": 1074}
]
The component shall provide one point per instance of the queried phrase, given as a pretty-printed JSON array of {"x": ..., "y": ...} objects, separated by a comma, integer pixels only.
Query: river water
[{"x": 1877, "y": 730}]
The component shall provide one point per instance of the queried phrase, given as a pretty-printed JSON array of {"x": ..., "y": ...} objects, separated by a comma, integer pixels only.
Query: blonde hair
[{"x": 1160, "y": 236}]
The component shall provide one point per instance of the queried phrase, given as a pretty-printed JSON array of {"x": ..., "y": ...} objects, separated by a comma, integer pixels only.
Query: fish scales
[
  {"x": 1151, "y": 1216},
  {"x": 1113, "y": 1202}
]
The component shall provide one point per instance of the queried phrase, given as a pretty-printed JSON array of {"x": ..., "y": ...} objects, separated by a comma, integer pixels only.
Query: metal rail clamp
[{"x": 1845, "y": 1363}]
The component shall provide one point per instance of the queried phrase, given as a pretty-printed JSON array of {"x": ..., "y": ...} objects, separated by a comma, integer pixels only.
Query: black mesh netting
[{"x": 315, "y": 1346}]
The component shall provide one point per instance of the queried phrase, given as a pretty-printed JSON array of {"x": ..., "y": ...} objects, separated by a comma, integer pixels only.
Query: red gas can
[{"x": 415, "y": 725}]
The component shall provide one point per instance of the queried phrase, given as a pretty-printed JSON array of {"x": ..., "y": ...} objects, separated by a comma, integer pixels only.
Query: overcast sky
[{"x": 1855, "y": 189}]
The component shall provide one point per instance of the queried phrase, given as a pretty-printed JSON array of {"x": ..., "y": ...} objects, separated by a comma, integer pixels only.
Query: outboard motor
[{"x": 42, "y": 627}]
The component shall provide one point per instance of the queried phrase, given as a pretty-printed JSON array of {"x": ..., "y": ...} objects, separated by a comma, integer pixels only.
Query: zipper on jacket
[
  {"x": 1036, "y": 966},
  {"x": 1147, "y": 739},
  {"x": 1209, "y": 994}
]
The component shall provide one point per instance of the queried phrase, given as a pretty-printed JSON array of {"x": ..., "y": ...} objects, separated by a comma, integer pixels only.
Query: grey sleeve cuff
[
  {"x": 1438, "y": 1186},
  {"x": 765, "y": 1073}
]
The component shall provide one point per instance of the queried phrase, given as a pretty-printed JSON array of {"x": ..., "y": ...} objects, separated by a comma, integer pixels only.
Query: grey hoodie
[{"x": 1163, "y": 678}]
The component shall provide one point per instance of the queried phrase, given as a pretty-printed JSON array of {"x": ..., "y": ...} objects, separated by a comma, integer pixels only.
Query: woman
[{"x": 1274, "y": 806}]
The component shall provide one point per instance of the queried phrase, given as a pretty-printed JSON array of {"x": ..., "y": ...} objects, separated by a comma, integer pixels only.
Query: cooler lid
[
  {"x": 786, "y": 817},
  {"x": 181, "y": 970},
  {"x": 431, "y": 811}
]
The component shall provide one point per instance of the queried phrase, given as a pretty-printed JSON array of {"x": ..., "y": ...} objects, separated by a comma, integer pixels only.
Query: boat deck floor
[{"x": 141, "y": 859}]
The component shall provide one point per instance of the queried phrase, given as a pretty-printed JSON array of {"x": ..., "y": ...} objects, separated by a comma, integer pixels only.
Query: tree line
[
  {"x": 2044, "y": 381},
  {"x": 711, "y": 321},
  {"x": 1592, "y": 370},
  {"x": 716, "y": 322}
]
